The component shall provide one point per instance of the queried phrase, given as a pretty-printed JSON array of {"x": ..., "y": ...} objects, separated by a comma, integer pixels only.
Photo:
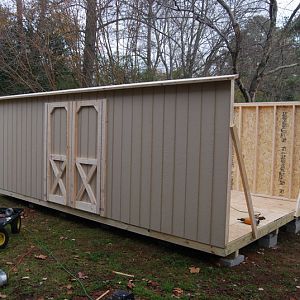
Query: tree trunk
[
  {"x": 20, "y": 22},
  {"x": 149, "y": 33},
  {"x": 89, "y": 53}
]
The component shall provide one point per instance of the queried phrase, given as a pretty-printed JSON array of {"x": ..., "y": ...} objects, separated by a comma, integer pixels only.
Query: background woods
[{"x": 54, "y": 44}]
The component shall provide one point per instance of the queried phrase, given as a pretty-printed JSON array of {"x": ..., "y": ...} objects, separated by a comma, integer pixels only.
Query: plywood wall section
[
  {"x": 168, "y": 150},
  {"x": 270, "y": 137}
]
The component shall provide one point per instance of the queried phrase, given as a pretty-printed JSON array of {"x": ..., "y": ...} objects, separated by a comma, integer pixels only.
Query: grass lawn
[{"x": 91, "y": 251}]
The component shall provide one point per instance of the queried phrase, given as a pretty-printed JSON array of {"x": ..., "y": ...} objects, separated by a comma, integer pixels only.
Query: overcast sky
[{"x": 285, "y": 7}]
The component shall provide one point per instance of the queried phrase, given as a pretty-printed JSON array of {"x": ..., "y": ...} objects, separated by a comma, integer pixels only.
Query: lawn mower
[{"x": 12, "y": 217}]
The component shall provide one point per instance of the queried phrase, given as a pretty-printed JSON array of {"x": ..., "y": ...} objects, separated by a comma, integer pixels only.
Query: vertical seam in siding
[
  {"x": 16, "y": 151},
  {"x": 21, "y": 147},
  {"x": 186, "y": 155},
  {"x": 11, "y": 152},
  {"x": 111, "y": 155},
  {"x": 199, "y": 170},
  {"x": 174, "y": 164},
  {"x": 162, "y": 158},
  {"x": 131, "y": 125},
  {"x": 151, "y": 160},
  {"x": 26, "y": 146},
  {"x": 213, "y": 169},
  {"x": 30, "y": 193},
  {"x": 4, "y": 142},
  {"x": 121, "y": 162},
  {"x": 36, "y": 149},
  {"x": 141, "y": 156}
]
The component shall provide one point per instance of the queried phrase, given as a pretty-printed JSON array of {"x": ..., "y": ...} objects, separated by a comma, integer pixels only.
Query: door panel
[
  {"x": 76, "y": 174},
  {"x": 86, "y": 156},
  {"x": 58, "y": 147}
]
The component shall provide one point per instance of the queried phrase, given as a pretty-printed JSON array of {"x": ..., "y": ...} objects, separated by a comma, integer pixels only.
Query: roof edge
[{"x": 122, "y": 87}]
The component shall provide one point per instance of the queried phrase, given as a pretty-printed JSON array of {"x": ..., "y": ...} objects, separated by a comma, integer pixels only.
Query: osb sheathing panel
[
  {"x": 282, "y": 167},
  {"x": 248, "y": 127},
  {"x": 264, "y": 151},
  {"x": 235, "y": 175},
  {"x": 270, "y": 138}
]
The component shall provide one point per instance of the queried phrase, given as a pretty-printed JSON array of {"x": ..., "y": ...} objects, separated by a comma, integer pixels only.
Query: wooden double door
[{"x": 76, "y": 156}]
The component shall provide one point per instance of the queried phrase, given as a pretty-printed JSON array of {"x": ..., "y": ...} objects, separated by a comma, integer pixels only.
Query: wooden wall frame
[{"x": 270, "y": 142}]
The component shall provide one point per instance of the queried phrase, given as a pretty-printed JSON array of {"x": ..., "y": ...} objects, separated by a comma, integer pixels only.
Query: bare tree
[
  {"x": 228, "y": 26},
  {"x": 89, "y": 54}
]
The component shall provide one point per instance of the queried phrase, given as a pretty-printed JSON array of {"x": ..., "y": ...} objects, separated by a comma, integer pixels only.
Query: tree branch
[{"x": 281, "y": 68}]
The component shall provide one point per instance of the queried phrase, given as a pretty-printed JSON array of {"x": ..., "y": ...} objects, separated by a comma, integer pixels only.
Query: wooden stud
[
  {"x": 273, "y": 151},
  {"x": 256, "y": 149},
  {"x": 239, "y": 155},
  {"x": 292, "y": 152}
]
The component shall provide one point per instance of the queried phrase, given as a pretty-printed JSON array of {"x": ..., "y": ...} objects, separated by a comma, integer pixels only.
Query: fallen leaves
[
  {"x": 194, "y": 270},
  {"x": 130, "y": 284},
  {"x": 152, "y": 283},
  {"x": 177, "y": 292},
  {"x": 69, "y": 289},
  {"x": 82, "y": 275},
  {"x": 41, "y": 256}
]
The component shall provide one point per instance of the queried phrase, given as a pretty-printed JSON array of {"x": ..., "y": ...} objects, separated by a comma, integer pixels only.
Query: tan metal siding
[
  {"x": 21, "y": 149},
  {"x": 220, "y": 172},
  {"x": 136, "y": 159},
  {"x": 180, "y": 160},
  {"x": 116, "y": 158},
  {"x": 146, "y": 140},
  {"x": 168, "y": 168},
  {"x": 167, "y": 152},
  {"x": 2, "y": 145},
  {"x": 169, "y": 128},
  {"x": 157, "y": 159},
  {"x": 193, "y": 163},
  {"x": 125, "y": 175}
]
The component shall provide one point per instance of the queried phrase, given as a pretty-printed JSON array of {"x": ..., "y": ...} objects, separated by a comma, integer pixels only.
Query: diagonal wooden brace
[
  {"x": 239, "y": 155},
  {"x": 58, "y": 173},
  {"x": 85, "y": 183}
]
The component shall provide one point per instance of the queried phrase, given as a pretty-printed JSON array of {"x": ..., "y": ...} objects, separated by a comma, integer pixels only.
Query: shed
[{"x": 153, "y": 158}]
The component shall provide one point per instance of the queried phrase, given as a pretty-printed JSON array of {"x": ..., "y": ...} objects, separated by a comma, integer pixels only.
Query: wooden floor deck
[{"x": 277, "y": 212}]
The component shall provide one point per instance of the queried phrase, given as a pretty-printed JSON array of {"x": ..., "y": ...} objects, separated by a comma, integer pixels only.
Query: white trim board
[{"x": 122, "y": 87}]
